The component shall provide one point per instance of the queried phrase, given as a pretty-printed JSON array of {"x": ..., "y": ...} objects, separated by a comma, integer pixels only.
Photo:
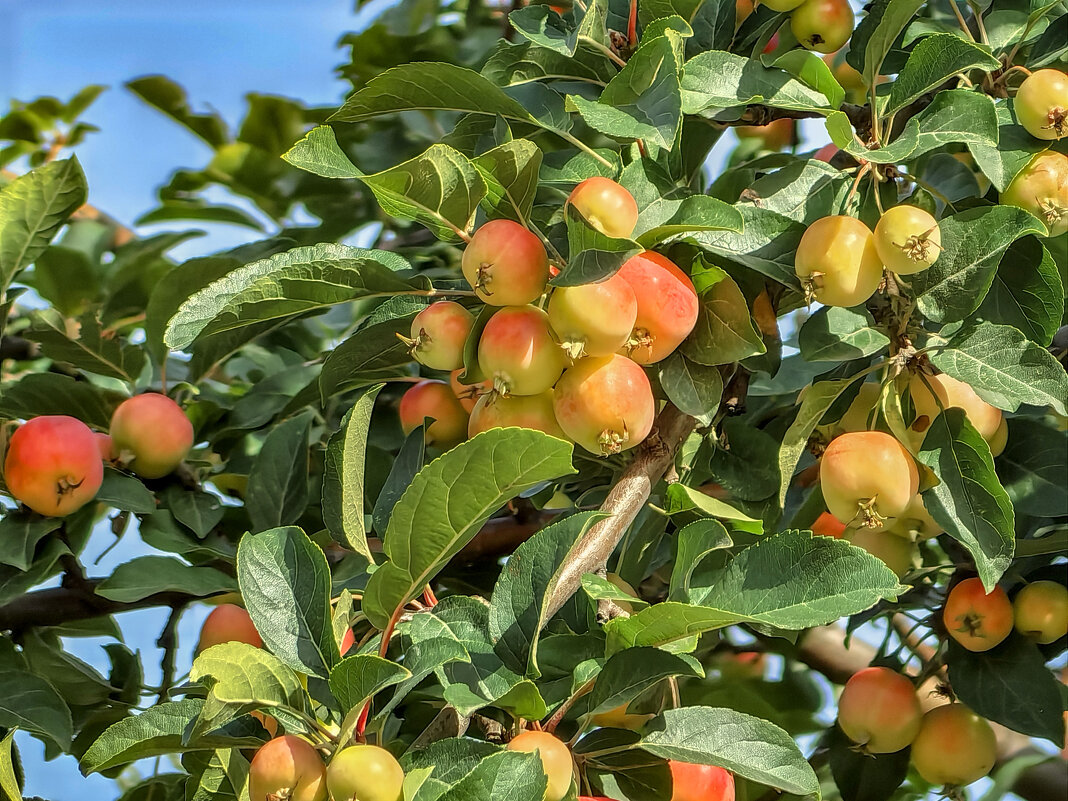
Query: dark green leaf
[
  {"x": 932, "y": 61},
  {"x": 278, "y": 482},
  {"x": 343, "y": 480},
  {"x": 147, "y": 575},
  {"x": 835, "y": 334}
]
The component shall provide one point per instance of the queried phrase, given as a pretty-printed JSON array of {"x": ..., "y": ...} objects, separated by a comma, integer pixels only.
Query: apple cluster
[{"x": 565, "y": 360}]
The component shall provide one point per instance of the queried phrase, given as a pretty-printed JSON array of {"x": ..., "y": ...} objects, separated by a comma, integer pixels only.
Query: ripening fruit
[
  {"x": 1042, "y": 104},
  {"x": 954, "y": 747},
  {"x": 837, "y": 262},
  {"x": 859, "y": 414},
  {"x": 781, "y": 5},
  {"x": 667, "y": 306},
  {"x": 827, "y": 525},
  {"x": 915, "y": 523},
  {"x": 1000, "y": 439},
  {"x": 867, "y": 476},
  {"x": 364, "y": 773},
  {"x": 826, "y": 153},
  {"x": 1041, "y": 188},
  {"x": 522, "y": 411},
  {"x": 228, "y": 623},
  {"x": 605, "y": 404},
  {"x": 897, "y": 553},
  {"x": 505, "y": 264},
  {"x": 776, "y": 135},
  {"x": 517, "y": 352},
  {"x": 1041, "y": 611},
  {"x": 555, "y": 760},
  {"x": 53, "y": 465},
  {"x": 879, "y": 709},
  {"x": 742, "y": 10},
  {"x": 287, "y": 767},
  {"x": 606, "y": 206},
  {"x": 619, "y": 718},
  {"x": 976, "y": 620},
  {"x": 150, "y": 434},
  {"x": 593, "y": 319},
  {"x": 822, "y": 25},
  {"x": 952, "y": 394},
  {"x": 438, "y": 335},
  {"x": 700, "y": 782},
  {"x": 742, "y": 665},
  {"x": 467, "y": 394},
  {"x": 907, "y": 239},
  {"x": 105, "y": 445},
  {"x": 348, "y": 639},
  {"x": 434, "y": 399}
]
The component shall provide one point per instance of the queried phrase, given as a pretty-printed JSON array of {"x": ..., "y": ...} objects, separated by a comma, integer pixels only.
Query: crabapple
[
  {"x": 826, "y": 153},
  {"x": 954, "y": 746},
  {"x": 505, "y": 264},
  {"x": 700, "y": 782},
  {"x": 53, "y": 465},
  {"x": 867, "y": 474},
  {"x": 1041, "y": 611},
  {"x": 518, "y": 353},
  {"x": 364, "y": 773},
  {"x": 1041, "y": 188},
  {"x": 879, "y": 709},
  {"x": 555, "y": 760},
  {"x": 776, "y": 135},
  {"x": 594, "y": 319},
  {"x": 228, "y": 623},
  {"x": 781, "y": 5},
  {"x": 605, "y": 404},
  {"x": 977, "y": 620},
  {"x": 620, "y": 718},
  {"x": 287, "y": 767},
  {"x": 105, "y": 445},
  {"x": 822, "y": 25},
  {"x": 434, "y": 399},
  {"x": 1041, "y": 104},
  {"x": 837, "y": 262},
  {"x": 742, "y": 10},
  {"x": 667, "y": 306},
  {"x": 897, "y": 553},
  {"x": 951, "y": 393},
  {"x": 467, "y": 394},
  {"x": 438, "y": 335},
  {"x": 742, "y": 665},
  {"x": 915, "y": 523},
  {"x": 151, "y": 434},
  {"x": 850, "y": 79},
  {"x": 827, "y": 525},
  {"x": 522, "y": 411},
  {"x": 1000, "y": 439},
  {"x": 907, "y": 239},
  {"x": 606, "y": 206}
]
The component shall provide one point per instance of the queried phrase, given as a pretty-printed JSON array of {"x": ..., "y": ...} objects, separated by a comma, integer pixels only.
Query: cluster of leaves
[{"x": 304, "y": 496}]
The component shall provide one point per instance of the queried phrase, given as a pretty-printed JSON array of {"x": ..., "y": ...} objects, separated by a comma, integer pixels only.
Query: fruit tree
[{"x": 548, "y": 440}]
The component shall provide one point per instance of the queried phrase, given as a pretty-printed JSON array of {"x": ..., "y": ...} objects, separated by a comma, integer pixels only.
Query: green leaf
[
  {"x": 598, "y": 589},
  {"x": 9, "y": 784},
  {"x": 748, "y": 466},
  {"x": 285, "y": 584},
  {"x": 176, "y": 209},
  {"x": 343, "y": 479},
  {"x": 514, "y": 775},
  {"x": 972, "y": 246},
  {"x": 430, "y": 645},
  {"x": 745, "y": 745},
  {"x": 510, "y": 64},
  {"x": 968, "y": 502},
  {"x": 834, "y": 334},
  {"x": 32, "y": 704},
  {"x": 695, "y": 389},
  {"x": 695, "y": 541},
  {"x": 802, "y": 190},
  {"x": 517, "y": 607},
  {"x": 319, "y": 153},
  {"x": 510, "y": 173},
  {"x": 472, "y": 481},
  {"x": 170, "y": 98},
  {"x": 147, "y": 575},
  {"x": 408, "y": 461},
  {"x": 370, "y": 355},
  {"x": 766, "y": 243},
  {"x": 1002, "y": 159},
  {"x": 19, "y": 535},
  {"x": 666, "y": 218},
  {"x": 1028, "y": 299},
  {"x": 875, "y": 35},
  {"x": 355, "y": 679},
  {"x": 1004, "y": 368},
  {"x": 125, "y": 492},
  {"x": 932, "y": 61},
  {"x": 1033, "y": 469},
  {"x": 680, "y": 498},
  {"x": 592, "y": 255},
  {"x": 198, "y": 511},
  {"x": 278, "y": 492},
  {"x": 298, "y": 281},
  {"x": 627, "y": 674},
  {"x": 91, "y": 349},
  {"x": 719, "y": 80},
  {"x": 724, "y": 331},
  {"x": 33, "y": 207},
  {"x": 542, "y": 26}
]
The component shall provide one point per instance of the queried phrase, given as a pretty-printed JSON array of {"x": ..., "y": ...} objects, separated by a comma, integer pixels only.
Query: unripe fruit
[
  {"x": 823, "y": 25},
  {"x": 858, "y": 416},
  {"x": 593, "y": 319},
  {"x": 907, "y": 239},
  {"x": 619, "y": 718},
  {"x": 151, "y": 434},
  {"x": 879, "y": 709},
  {"x": 505, "y": 264},
  {"x": 606, "y": 206},
  {"x": 867, "y": 476},
  {"x": 468, "y": 394},
  {"x": 952, "y": 394},
  {"x": 228, "y": 623},
  {"x": 837, "y": 262},
  {"x": 53, "y": 465},
  {"x": 1041, "y": 611},
  {"x": 434, "y": 399},
  {"x": 827, "y": 525},
  {"x": 522, "y": 411},
  {"x": 954, "y": 747},
  {"x": 1042, "y": 104},
  {"x": 897, "y": 553},
  {"x": 781, "y": 5},
  {"x": 287, "y": 768},
  {"x": 605, "y": 404},
  {"x": 1041, "y": 188},
  {"x": 1000, "y": 439},
  {"x": 976, "y": 620},
  {"x": 555, "y": 760},
  {"x": 700, "y": 782},
  {"x": 667, "y": 306},
  {"x": 438, "y": 335},
  {"x": 776, "y": 135},
  {"x": 364, "y": 773},
  {"x": 517, "y": 352}
]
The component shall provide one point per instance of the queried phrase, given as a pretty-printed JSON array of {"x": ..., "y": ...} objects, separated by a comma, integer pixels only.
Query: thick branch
[
  {"x": 60, "y": 605},
  {"x": 623, "y": 503}
]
